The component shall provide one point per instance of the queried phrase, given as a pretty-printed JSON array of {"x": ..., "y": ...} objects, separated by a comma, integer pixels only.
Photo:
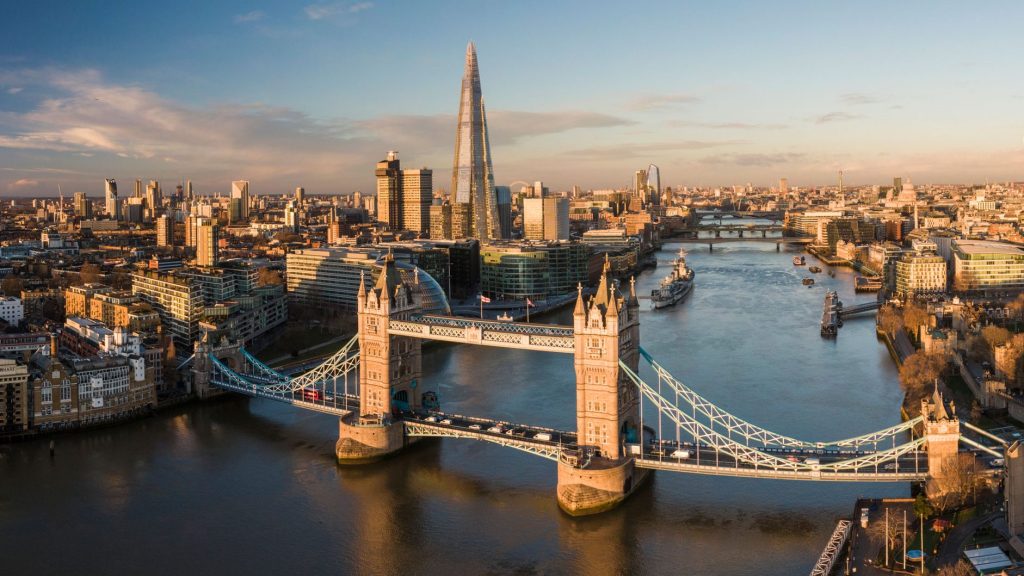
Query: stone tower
[
  {"x": 389, "y": 370},
  {"x": 942, "y": 439},
  {"x": 389, "y": 366},
  {"x": 607, "y": 331}
]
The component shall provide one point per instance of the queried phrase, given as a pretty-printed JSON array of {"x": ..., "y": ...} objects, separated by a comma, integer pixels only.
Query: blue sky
[{"x": 313, "y": 93}]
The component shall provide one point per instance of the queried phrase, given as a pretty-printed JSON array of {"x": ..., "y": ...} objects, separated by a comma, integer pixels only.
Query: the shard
[{"x": 472, "y": 175}]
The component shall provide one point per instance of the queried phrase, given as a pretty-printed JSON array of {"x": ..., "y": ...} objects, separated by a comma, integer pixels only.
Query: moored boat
[{"x": 674, "y": 287}]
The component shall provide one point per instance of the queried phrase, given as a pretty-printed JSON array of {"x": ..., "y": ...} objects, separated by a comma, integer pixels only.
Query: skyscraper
[
  {"x": 206, "y": 242},
  {"x": 546, "y": 218},
  {"x": 300, "y": 195},
  {"x": 389, "y": 191},
  {"x": 417, "y": 195},
  {"x": 472, "y": 174},
  {"x": 164, "y": 231},
  {"x": 154, "y": 197},
  {"x": 240, "y": 191},
  {"x": 113, "y": 205},
  {"x": 83, "y": 208}
]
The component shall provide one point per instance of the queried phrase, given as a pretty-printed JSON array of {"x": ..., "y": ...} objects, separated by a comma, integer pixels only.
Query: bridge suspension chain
[
  {"x": 702, "y": 434},
  {"x": 753, "y": 432}
]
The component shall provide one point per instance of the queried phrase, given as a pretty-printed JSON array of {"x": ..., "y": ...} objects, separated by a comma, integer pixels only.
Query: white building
[{"x": 11, "y": 310}]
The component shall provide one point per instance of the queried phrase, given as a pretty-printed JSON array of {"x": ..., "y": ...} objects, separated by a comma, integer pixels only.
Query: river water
[{"x": 241, "y": 486}]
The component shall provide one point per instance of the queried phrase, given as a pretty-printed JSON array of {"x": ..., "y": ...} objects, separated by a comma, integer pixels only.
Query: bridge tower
[
  {"x": 942, "y": 440},
  {"x": 389, "y": 370},
  {"x": 220, "y": 347},
  {"x": 607, "y": 330}
]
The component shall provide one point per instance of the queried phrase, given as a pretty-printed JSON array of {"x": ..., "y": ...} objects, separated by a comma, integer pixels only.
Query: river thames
[{"x": 240, "y": 486}]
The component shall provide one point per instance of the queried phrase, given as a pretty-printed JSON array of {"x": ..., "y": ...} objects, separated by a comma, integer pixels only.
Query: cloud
[
  {"x": 727, "y": 125},
  {"x": 754, "y": 159},
  {"x": 859, "y": 98},
  {"x": 335, "y": 10},
  {"x": 22, "y": 183},
  {"x": 14, "y": 89},
  {"x": 505, "y": 127},
  {"x": 834, "y": 117},
  {"x": 131, "y": 127},
  {"x": 659, "y": 101},
  {"x": 643, "y": 150},
  {"x": 254, "y": 16}
]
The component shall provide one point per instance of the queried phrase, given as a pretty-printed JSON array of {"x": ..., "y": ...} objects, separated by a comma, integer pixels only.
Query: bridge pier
[
  {"x": 599, "y": 487},
  {"x": 711, "y": 247},
  {"x": 367, "y": 441}
]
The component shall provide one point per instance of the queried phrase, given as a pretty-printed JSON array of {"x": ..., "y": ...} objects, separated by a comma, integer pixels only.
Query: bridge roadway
[
  {"x": 520, "y": 335},
  {"x": 911, "y": 467},
  {"x": 658, "y": 455}
]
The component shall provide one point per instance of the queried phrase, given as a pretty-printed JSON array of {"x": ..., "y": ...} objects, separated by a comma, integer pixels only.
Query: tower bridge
[{"x": 627, "y": 424}]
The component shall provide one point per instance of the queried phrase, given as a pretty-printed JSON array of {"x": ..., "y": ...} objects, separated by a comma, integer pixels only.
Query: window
[
  {"x": 47, "y": 394},
  {"x": 65, "y": 392}
]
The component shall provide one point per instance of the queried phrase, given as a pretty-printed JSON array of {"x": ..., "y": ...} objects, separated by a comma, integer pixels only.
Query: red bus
[{"x": 312, "y": 394}]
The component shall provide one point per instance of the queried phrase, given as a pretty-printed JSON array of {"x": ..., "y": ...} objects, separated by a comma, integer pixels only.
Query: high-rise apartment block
[
  {"x": 207, "y": 238},
  {"x": 417, "y": 195},
  {"x": 404, "y": 196},
  {"x": 389, "y": 191},
  {"x": 240, "y": 192},
  {"x": 164, "y": 231}
]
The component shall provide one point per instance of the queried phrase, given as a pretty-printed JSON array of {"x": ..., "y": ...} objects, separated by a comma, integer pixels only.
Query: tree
[
  {"x": 889, "y": 534},
  {"x": 961, "y": 568},
  {"x": 914, "y": 316},
  {"x": 889, "y": 320},
  {"x": 957, "y": 483},
  {"x": 90, "y": 273},
  {"x": 268, "y": 277},
  {"x": 1016, "y": 308},
  {"x": 919, "y": 372},
  {"x": 977, "y": 348},
  {"x": 12, "y": 286},
  {"x": 995, "y": 336}
]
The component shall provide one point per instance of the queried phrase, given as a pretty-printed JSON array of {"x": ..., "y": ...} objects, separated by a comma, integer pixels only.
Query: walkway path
[{"x": 953, "y": 545}]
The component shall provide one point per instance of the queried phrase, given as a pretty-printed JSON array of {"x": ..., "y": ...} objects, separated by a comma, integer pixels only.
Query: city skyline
[{"x": 882, "y": 91}]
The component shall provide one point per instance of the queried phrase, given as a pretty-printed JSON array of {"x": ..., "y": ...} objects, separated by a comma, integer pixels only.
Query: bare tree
[
  {"x": 90, "y": 273},
  {"x": 961, "y": 568},
  {"x": 995, "y": 336},
  {"x": 12, "y": 286},
  {"x": 919, "y": 372},
  {"x": 888, "y": 534},
  {"x": 889, "y": 320},
  {"x": 266, "y": 277},
  {"x": 958, "y": 482},
  {"x": 914, "y": 316}
]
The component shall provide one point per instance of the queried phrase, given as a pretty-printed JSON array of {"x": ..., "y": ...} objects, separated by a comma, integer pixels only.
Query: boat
[
  {"x": 814, "y": 269},
  {"x": 799, "y": 260},
  {"x": 504, "y": 318},
  {"x": 674, "y": 287},
  {"x": 832, "y": 273},
  {"x": 808, "y": 281}
]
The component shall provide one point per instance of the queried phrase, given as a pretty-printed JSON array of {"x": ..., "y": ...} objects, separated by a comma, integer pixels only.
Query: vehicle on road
[
  {"x": 474, "y": 426},
  {"x": 542, "y": 436},
  {"x": 863, "y": 517},
  {"x": 812, "y": 461},
  {"x": 680, "y": 454},
  {"x": 446, "y": 421}
]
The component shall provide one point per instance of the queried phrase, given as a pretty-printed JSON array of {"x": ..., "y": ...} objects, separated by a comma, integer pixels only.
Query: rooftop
[{"x": 988, "y": 247}]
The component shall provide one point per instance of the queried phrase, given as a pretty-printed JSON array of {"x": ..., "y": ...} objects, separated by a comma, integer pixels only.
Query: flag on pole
[
  {"x": 529, "y": 303},
  {"x": 485, "y": 299}
]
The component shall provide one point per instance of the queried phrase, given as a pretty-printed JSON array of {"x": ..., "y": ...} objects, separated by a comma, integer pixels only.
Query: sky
[{"x": 300, "y": 93}]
